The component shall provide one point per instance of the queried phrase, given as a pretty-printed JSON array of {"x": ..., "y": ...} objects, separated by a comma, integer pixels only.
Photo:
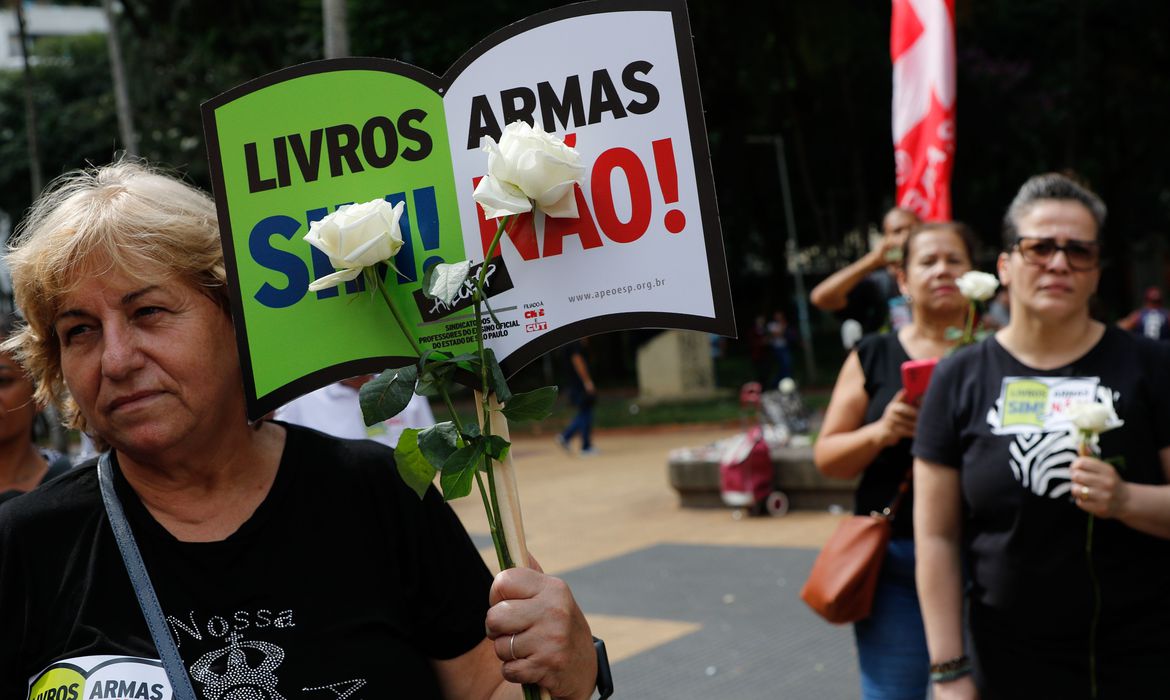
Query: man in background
[
  {"x": 866, "y": 290},
  {"x": 1151, "y": 320},
  {"x": 582, "y": 394}
]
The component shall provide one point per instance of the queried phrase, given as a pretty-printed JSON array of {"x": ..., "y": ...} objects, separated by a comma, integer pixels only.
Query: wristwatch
[{"x": 604, "y": 679}]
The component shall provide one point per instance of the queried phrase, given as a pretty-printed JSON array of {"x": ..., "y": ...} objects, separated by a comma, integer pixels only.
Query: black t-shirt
[
  {"x": 343, "y": 582},
  {"x": 1000, "y": 423},
  {"x": 869, "y": 301},
  {"x": 881, "y": 358},
  {"x": 58, "y": 465}
]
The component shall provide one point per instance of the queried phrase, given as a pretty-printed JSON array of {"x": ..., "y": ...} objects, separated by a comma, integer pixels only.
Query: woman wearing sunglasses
[{"x": 1064, "y": 560}]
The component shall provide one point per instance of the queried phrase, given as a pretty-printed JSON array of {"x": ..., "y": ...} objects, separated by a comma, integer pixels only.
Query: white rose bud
[
  {"x": 978, "y": 286},
  {"x": 355, "y": 237},
  {"x": 1090, "y": 417},
  {"x": 527, "y": 166}
]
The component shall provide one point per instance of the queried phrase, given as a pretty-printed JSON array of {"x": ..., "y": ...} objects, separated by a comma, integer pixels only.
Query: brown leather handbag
[{"x": 843, "y": 579}]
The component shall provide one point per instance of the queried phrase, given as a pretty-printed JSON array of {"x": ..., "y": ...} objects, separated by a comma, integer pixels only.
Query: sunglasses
[{"x": 1081, "y": 255}]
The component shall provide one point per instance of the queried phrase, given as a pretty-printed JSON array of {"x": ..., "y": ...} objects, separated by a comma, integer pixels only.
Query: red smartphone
[{"x": 915, "y": 378}]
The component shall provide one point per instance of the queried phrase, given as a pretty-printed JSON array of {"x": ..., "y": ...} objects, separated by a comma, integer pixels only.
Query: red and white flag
[{"x": 922, "y": 46}]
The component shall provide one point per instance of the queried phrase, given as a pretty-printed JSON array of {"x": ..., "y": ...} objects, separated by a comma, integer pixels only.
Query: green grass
[{"x": 619, "y": 409}]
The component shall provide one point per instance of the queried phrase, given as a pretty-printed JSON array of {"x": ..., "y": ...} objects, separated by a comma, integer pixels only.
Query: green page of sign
[{"x": 291, "y": 153}]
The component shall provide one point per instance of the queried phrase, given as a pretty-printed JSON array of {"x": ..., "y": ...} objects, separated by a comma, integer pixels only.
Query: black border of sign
[{"x": 724, "y": 321}]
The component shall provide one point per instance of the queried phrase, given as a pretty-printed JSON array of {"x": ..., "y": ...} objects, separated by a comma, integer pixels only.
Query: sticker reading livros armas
[{"x": 616, "y": 80}]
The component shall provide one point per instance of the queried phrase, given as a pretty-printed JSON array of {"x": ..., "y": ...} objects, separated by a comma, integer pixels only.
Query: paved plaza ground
[{"x": 691, "y": 603}]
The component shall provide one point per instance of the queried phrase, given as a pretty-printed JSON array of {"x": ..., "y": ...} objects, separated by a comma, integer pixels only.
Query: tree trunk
[
  {"x": 336, "y": 32},
  {"x": 121, "y": 94},
  {"x": 30, "y": 108}
]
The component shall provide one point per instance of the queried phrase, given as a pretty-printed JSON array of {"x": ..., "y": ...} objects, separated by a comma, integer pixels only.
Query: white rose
[
  {"x": 355, "y": 237},
  {"x": 978, "y": 286},
  {"x": 527, "y": 166},
  {"x": 1090, "y": 417}
]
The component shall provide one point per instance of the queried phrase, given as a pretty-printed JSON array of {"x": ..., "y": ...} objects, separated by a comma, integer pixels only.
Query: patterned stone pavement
[{"x": 691, "y": 603}]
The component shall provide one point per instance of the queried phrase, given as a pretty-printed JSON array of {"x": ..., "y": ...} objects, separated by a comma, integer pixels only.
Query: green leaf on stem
[
  {"x": 496, "y": 381},
  {"x": 465, "y": 357},
  {"x": 422, "y": 359},
  {"x": 439, "y": 442},
  {"x": 497, "y": 447},
  {"x": 531, "y": 405},
  {"x": 471, "y": 432},
  {"x": 443, "y": 281},
  {"x": 385, "y": 396},
  {"x": 414, "y": 468},
  {"x": 436, "y": 378},
  {"x": 458, "y": 472}
]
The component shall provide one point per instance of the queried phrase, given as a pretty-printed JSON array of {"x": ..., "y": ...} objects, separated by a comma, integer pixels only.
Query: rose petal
[
  {"x": 563, "y": 208},
  {"x": 499, "y": 198},
  {"x": 335, "y": 278},
  {"x": 323, "y": 235}
]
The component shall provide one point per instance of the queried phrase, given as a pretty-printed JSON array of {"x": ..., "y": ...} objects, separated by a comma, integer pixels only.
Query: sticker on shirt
[
  {"x": 1034, "y": 412},
  {"x": 1040, "y": 404},
  {"x": 116, "y": 677}
]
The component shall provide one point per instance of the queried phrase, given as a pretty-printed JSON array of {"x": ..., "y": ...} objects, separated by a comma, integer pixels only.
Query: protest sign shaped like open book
[{"x": 615, "y": 79}]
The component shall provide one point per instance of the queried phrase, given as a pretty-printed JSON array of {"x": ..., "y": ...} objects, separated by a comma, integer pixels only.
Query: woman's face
[
  {"x": 17, "y": 408},
  {"x": 152, "y": 367},
  {"x": 1043, "y": 282},
  {"x": 937, "y": 259}
]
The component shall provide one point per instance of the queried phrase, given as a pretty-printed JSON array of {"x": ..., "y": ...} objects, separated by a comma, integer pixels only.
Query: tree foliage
[
  {"x": 1045, "y": 84},
  {"x": 76, "y": 121}
]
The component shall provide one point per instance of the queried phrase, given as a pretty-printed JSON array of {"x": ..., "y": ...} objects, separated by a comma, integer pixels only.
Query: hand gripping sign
[{"x": 616, "y": 79}]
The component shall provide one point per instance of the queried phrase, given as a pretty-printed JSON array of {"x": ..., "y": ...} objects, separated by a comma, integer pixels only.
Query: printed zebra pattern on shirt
[{"x": 1040, "y": 459}]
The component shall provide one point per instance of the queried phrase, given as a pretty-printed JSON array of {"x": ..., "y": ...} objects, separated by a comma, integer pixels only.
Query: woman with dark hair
[
  {"x": 867, "y": 431},
  {"x": 23, "y": 465},
  {"x": 1067, "y": 556}
]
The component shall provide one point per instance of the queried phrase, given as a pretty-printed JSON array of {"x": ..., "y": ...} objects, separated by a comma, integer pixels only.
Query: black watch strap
[{"x": 604, "y": 678}]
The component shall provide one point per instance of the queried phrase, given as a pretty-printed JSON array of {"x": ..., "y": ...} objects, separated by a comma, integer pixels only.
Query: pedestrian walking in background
[
  {"x": 780, "y": 335},
  {"x": 582, "y": 395}
]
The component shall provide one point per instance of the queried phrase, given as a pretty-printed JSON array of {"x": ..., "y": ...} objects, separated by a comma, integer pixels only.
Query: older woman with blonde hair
[{"x": 258, "y": 561}]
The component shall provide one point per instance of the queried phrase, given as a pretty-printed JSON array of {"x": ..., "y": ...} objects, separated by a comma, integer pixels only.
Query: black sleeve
[
  {"x": 865, "y": 304},
  {"x": 937, "y": 437},
  {"x": 1157, "y": 368},
  {"x": 13, "y": 610},
  {"x": 455, "y": 582}
]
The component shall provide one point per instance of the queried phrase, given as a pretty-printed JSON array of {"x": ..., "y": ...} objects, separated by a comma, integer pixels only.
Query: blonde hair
[{"x": 126, "y": 217}]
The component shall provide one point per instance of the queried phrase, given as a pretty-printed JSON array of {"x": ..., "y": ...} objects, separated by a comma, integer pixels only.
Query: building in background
[{"x": 45, "y": 21}]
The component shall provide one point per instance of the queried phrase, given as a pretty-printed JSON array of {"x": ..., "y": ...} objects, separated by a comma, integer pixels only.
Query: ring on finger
[
  {"x": 1085, "y": 491},
  {"x": 512, "y": 648}
]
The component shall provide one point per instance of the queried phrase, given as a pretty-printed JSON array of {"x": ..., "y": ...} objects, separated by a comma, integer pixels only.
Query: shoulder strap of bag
[
  {"x": 891, "y": 510},
  {"x": 147, "y": 600}
]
